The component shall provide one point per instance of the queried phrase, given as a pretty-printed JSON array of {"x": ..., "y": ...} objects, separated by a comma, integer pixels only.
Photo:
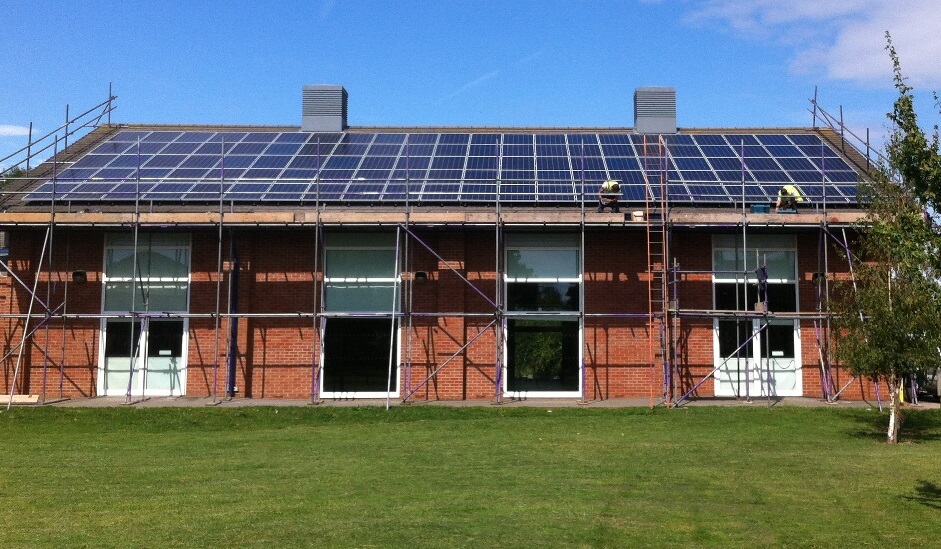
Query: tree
[
  {"x": 890, "y": 326},
  {"x": 8, "y": 175}
]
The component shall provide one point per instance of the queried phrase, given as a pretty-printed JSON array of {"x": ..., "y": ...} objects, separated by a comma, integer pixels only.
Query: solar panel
[{"x": 177, "y": 166}]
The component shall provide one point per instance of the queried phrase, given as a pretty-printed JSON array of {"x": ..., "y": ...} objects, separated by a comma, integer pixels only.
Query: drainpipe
[{"x": 230, "y": 388}]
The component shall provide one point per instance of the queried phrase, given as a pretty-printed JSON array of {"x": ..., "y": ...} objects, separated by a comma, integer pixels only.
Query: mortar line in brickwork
[{"x": 6, "y": 267}]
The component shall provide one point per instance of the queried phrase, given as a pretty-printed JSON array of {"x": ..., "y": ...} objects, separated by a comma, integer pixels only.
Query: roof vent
[
  {"x": 655, "y": 110},
  {"x": 324, "y": 108}
]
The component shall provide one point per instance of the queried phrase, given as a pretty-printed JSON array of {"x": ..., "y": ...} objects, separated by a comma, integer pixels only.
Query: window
[
  {"x": 744, "y": 281},
  {"x": 361, "y": 280},
  {"x": 543, "y": 332},
  {"x": 146, "y": 355},
  {"x": 4, "y": 252},
  {"x": 361, "y": 273}
]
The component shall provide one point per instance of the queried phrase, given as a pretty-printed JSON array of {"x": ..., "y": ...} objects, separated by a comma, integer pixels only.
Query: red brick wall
[
  {"x": 274, "y": 356},
  {"x": 60, "y": 358}
]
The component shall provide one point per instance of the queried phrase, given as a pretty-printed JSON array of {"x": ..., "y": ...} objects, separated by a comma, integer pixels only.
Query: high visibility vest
[{"x": 791, "y": 191}]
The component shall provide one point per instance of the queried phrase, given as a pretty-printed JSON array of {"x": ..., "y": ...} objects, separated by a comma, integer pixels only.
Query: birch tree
[{"x": 890, "y": 327}]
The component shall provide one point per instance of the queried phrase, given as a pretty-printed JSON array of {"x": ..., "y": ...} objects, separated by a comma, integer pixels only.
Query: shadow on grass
[
  {"x": 917, "y": 426},
  {"x": 926, "y": 493}
]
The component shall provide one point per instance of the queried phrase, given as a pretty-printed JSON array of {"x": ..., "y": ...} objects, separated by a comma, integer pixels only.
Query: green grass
[{"x": 482, "y": 477}]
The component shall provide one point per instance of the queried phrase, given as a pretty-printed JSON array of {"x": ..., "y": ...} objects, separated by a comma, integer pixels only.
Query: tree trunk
[{"x": 895, "y": 410}]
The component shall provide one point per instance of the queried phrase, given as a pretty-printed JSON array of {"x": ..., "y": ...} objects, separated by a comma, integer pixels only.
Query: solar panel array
[{"x": 349, "y": 167}]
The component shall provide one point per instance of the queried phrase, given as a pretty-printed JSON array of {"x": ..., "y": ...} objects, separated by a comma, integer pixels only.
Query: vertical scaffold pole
[
  {"x": 67, "y": 121},
  {"x": 395, "y": 292},
  {"x": 314, "y": 338},
  {"x": 29, "y": 314},
  {"x": 29, "y": 146},
  {"x": 133, "y": 355},
  {"x": 52, "y": 225},
  {"x": 320, "y": 322},
  {"x": 215, "y": 366},
  {"x": 65, "y": 310},
  {"x": 233, "y": 304},
  {"x": 498, "y": 295},
  {"x": 745, "y": 276},
  {"x": 814, "y": 102},
  {"x": 581, "y": 287},
  {"x": 410, "y": 283}
]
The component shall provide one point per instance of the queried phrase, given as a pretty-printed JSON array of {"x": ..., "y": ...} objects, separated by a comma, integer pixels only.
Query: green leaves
[{"x": 889, "y": 323}]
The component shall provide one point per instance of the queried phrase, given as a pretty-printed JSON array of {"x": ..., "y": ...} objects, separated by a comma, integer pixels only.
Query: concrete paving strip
[{"x": 192, "y": 402}]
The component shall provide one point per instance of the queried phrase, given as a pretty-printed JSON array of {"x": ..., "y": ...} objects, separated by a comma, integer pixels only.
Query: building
[{"x": 330, "y": 262}]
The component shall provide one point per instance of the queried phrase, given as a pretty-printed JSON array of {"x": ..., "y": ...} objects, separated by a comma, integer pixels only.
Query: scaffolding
[{"x": 662, "y": 320}]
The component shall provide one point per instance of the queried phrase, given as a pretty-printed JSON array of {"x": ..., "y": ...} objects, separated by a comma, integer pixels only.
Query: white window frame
[
  {"x": 396, "y": 282},
  {"x": 764, "y": 244},
  {"x": 139, "y": 388}
]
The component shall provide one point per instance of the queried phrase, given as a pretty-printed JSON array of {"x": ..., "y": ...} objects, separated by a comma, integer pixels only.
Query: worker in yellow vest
[
  {"x": 608, "y": 195},
  {"x": 788, "y": 197}
]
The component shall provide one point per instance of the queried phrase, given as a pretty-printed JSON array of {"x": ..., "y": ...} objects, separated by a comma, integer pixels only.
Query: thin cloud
[
  {"x": 843, "y": 40},
  {"x": 530, "y": 58},
  {"x": 469, "y": 85},
  {"x": 7, "y": 130},
  {"x": 326, "y": 7}
]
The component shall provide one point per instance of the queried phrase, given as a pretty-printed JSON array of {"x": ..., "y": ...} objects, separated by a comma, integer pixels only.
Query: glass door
[
  {"x": 756, "y": 355},
  {"x": 145, "y": 358}
]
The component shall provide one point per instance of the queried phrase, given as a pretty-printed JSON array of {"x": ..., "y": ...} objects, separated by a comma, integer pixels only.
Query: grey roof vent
[
  {"x": 655, "y": 110},
  {"x": 324, "y": 108}
]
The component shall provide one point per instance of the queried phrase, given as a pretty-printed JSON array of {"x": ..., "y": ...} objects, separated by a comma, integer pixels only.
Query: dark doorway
[{"x": 356, "y": 355}]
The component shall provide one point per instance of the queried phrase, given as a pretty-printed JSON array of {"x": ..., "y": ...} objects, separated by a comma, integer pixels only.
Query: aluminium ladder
[{"x": 656, "y": 214}]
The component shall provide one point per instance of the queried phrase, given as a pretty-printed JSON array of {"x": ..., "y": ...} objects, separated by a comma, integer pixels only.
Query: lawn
[{"x": 433, "y": 477}]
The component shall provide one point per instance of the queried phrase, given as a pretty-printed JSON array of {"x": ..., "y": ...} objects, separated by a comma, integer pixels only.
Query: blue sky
[{"x": 735, "y": 63}]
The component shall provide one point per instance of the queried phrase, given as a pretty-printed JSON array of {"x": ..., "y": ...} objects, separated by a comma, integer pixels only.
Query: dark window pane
[
  {"x": 537, "y": 296},
  {"x": 731, "y": 296},
  {"x": 165, "y": 338},
  {"x": 119, "y": 342},
  {"x": 542, "y": 355},
  {"x": 781, "y": 341},
  {"x": 782, "y": 298},
  {"x": 356, "y": 355},
  {"x": 732, "y": 333}
]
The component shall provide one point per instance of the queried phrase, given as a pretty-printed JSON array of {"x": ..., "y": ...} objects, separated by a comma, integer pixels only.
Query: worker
[
  {"x": 788, "y": 197},
  {"x": 608, "y": 195}
]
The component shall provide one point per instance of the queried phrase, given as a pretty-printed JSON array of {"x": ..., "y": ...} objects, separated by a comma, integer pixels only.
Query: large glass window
[
  {"x": 145, "y": 356},
  {"x": 542, "y": 274},
  {"x": 162, "y": 277},
  {"x": 543, "y": 281},
  {"x": 360, "y": 273},
  {"x": 357, "y": 350},
  {"x": 542, "y": 355},
  {"x": 361, "y": 286}
]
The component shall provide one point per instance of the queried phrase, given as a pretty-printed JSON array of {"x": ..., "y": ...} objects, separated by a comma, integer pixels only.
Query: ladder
[{"x": 656, "y": 214}]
